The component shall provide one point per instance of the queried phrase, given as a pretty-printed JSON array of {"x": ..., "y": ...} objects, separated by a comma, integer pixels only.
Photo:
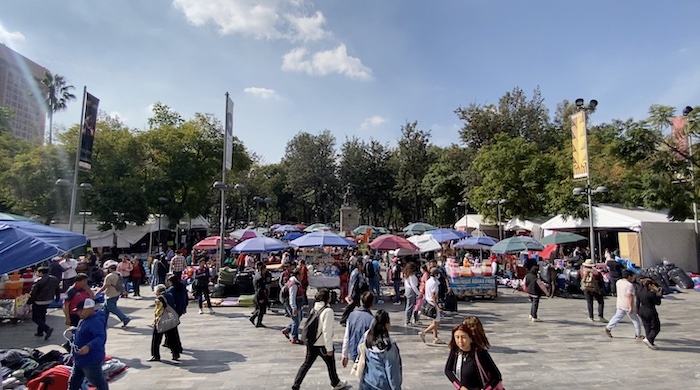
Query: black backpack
[
  {"x": 308, "y": 334},
  {"x": 369, "y": 270}
]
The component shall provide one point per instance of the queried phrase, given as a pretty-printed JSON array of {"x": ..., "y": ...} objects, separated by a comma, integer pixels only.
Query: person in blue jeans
[
  {"x": 293, "y": 306},
  {"x": 113, "y": 288},
  {"x": 89, "y": 339}
]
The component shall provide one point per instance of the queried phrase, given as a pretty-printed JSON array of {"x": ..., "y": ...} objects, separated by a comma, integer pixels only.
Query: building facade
[{"x": 18, "y": 87}]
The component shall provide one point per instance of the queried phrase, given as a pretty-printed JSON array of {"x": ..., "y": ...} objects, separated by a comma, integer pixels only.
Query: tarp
[
  {"x": 533, "y": 225},
  {"x": 25, "y": 243},
  {"x": 425, "y": 243}
]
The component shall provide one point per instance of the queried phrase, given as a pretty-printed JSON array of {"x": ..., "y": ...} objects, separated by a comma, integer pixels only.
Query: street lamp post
[
  {"x": 84, "y": 187},
  {"x": 65, "y": 183},
  {"x": 463, "y": 203},
  {"x": 498, "y": 203},
  {"x": 161, "y": 201},
  {"x": 221, "y": 186},
  {"x": 589, "y": 192}
]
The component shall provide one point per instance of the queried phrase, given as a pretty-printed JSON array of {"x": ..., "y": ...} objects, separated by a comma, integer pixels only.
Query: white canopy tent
[
  {"x": 534, "y": 226},
  {"x": 657, "y": 238}
]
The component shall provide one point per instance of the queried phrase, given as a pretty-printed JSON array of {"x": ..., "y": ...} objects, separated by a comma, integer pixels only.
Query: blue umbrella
[
  {"x": 260, "y": 245},
  {"x": 287, "y": 229},
  {"x": 291, "y": 236},
  {"x": 320, "y": 239},
  {"x": 475, "y": 242},
  {"x": 444, "y": 235},
  {"x": 25, "y": 243}
]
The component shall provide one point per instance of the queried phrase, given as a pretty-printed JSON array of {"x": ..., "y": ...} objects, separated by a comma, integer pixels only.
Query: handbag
[
  {"x": 168, "y": 319},
  {"x": 358, "y": 368},
  {"x": 485, "y": 377},
  {"x": 428, "y": 310}
]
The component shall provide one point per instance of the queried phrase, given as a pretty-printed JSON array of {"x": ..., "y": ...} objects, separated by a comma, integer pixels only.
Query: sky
[{"x": 360, "y": 68}]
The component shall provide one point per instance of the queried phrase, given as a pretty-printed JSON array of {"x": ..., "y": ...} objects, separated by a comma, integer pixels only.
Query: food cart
[{"x": 474, "y": 287}]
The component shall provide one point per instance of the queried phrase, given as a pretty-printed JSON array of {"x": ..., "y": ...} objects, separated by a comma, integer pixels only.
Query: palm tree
[{"x": 57, "y": 94}]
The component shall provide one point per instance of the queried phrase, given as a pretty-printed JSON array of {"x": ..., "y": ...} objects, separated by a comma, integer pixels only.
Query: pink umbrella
[
  {"x": 214, "y": 242},
  {"x": 389, "y": 242}
]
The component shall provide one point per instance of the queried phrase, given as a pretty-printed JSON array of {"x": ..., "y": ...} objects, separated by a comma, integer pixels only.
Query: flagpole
[
  {"x": 74, "y": 190},
  {"x": 222, "y": 229}
]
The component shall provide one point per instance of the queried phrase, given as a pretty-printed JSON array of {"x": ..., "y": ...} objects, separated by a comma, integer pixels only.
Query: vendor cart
[
  {"x": 15, "y": 309},
  {"x": 474, "y": 287}
]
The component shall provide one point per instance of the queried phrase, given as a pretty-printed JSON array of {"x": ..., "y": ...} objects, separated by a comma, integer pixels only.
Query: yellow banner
[{"x": 579, "y": 145}]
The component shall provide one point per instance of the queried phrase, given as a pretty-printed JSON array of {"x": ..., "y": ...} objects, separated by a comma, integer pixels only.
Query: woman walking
[
  {"x": 201, "y": 285},
  {"x": 534, "y": 292},
  {"x": 648, "y": 297},
  {"x": 469, "y": 365},
  {"x": 410, "y": 285},
  {"x": 425, "y": 275},
  {"x": 137, "y": 273},
  {"x": 163, "y": 300},
  {"x": 382, "y": 357}
]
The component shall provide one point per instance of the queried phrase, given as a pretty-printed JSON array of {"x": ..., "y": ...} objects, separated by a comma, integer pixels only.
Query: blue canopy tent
[
  {"x": 260, "y": 245},
  {"x": 25, "y": 243}
]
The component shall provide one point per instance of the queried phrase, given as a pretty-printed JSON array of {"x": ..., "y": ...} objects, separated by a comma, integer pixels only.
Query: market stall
[{"x": 468, "y": 281}]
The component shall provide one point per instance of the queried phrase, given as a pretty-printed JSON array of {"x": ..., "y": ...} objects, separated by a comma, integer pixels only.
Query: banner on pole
[
  {"x": 228, "y": 134},
  {"x": 579, "y": 145},
  {"x": 87, "y": 133}
]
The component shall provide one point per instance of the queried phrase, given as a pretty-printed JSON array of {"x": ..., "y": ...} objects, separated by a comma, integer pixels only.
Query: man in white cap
[{"x": 89, "y": 339}]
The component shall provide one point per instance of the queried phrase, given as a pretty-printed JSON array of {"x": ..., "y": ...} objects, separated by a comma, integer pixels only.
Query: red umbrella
[
  {"x": 300, "y": 226},
  {"x": 214, "y": 242},
  {"x": 388, "y": 242}
]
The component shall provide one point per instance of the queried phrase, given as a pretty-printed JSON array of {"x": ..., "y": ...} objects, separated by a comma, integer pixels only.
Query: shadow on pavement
[
  {"x": 210, "y": 361},
  {"x": 506, "y": 350}
]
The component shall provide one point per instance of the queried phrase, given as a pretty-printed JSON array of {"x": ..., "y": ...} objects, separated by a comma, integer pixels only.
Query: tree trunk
[{"x": 50, "y": 127}]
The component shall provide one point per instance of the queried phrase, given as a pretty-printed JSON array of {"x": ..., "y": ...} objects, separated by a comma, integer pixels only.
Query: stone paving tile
[{"x": 223, "y": 351}]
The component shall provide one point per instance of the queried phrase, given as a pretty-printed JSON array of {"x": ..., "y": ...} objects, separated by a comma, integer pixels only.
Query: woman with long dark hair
[
  {"x": 648, "y": 297},
  {"x": 412, "y": 292},
  {"x": 469, "y": 365},
  {"x": 382, "y": 357}
]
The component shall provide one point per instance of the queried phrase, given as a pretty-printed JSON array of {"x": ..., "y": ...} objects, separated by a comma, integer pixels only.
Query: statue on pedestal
[{"x": 349, "y": 197}]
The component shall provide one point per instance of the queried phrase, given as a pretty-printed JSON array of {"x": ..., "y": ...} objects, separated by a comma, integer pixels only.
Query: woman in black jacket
[
  {"x": 469, "y": 350},
  {"x": 648, "y": 297},
  {"x": 534, "y": 291}
]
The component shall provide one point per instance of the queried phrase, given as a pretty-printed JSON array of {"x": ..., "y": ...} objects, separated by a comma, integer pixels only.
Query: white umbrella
[{"x": 425, "y": 243}]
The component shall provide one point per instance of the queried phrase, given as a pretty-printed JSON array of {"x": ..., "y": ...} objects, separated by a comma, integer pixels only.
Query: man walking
[
  {"x": 357, "y": 285},
  {"x": 43, "y": 292},
  {"x": 359, "y": 322},
  {"x": 89, "y": 340},
  {"x": 70, "y": 266},
  {"x": 293, "y": 305},
  {"x": 177, "y": 264},
  {"x": 113, "y": 288},
  {"x": 77, "y": 293},
  {"x": 262, "y": 278},
  {"x": 625, "y": 305}
]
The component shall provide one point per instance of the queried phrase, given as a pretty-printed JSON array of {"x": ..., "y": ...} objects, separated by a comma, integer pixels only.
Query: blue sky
[{"x": 362, "y": 67}]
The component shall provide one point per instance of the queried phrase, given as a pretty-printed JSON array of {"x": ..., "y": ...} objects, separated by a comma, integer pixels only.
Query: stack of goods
[
  {"x": 327, "y": 270},
  {"x": 668, "y": 274}
]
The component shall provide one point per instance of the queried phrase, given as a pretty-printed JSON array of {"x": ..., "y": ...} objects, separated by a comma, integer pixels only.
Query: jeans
[
  {"x": 312, "y": 352},
  {"x": 397, "y": 294},
  {"x": 411, "y": 308},
  {"x": 203, "y": 293},
  {"x": 620, "y": 314},
  {"x": 39, "y": 317},
  {"x": 535, "y": 304},
  {"x": 293, "y": 327},
  {"x": 589, "y": 301},
  {"x": 94, "y": 375},
  {"x": 111, "y": 307},
  {"x": 374, "y": 286},
  {"x": 652, "y": 325},
  {"x": 136, "y": 284}
]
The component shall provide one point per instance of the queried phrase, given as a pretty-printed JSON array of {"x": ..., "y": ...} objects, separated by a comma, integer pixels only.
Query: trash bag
[{"x": 680, "y": 278}]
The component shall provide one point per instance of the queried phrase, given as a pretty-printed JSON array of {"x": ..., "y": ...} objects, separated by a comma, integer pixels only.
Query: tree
[
  {"x": 412, "y": 159},
  {"x": 5, "y": 118},
  {"x": 56, "y": 95},
  {"x": 445, "y": 182}
]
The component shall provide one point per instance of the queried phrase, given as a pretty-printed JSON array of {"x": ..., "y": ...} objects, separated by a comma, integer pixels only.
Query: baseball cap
[
  {"x": 112, "y": 266},
  {"x": 81, "y": 276},
  {"x": 86, "y": 304}
]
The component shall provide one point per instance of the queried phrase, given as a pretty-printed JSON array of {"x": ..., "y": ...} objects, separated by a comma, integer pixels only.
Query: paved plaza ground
[{"x": 224, "y": 351}]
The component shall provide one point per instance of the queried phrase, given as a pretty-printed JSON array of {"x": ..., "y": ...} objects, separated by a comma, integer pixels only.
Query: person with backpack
[
  {"x": 395, "y": 276},
  {"x": 592, "y": 287},
  {"x": 372, "y": 275},
  {"x": 358, "y": 284},
  {"x": 318, "y": 338},
  {"x": 114, "y": 288},
  {"x": 293, "y": 297}
]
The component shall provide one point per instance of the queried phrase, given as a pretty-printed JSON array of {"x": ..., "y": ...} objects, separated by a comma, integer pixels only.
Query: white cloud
[
  {"x": 10, "y": 38},
  {"x": 325, "y": 62},
  {"x": 149, "y": 108},
  {"x": 263, "y": 93},
  {"x": 117, "y": 115},
  {"x": 247, "y": 17},
  {"x": 373, "y": 121},
  {"x": 308, "y": 28}
]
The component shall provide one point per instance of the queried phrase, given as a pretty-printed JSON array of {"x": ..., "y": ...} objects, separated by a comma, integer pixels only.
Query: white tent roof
[
  {"x": 472, "y": 221},
  {"x": 532, "y": 225},
  {"x": 608, "y": 217},
  {"x": 425, "y": 243}
]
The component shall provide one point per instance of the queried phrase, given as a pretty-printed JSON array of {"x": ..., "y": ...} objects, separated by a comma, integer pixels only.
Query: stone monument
[{"x": 349, "y": 213}]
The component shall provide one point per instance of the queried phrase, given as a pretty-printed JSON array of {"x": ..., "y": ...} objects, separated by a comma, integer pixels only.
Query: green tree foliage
[
  {"x": 57, "y": 94},
  {"x": 412, "y": 160}
]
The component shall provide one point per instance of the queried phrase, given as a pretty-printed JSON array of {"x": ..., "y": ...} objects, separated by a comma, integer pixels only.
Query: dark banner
[{"x": 87, "y": 133}]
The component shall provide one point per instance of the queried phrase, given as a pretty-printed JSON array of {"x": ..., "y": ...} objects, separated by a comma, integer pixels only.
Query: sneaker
[
  {"x": 407, "y": 325},
  {"x": 200, "y": 311},
  {"x": 285, "y": 333},
  {"x": 529, "y": 317},
  {"x": 422, "y": 336},
  {"x": 639, "y": 338},
  {"x": 535, "y": 319},
  {"x": 295, "y": 341},
  {"x": 437, "y": 341},
  {"x": 602, "y": 319},
  {"x": 649, "y": 344},
  {"x": 591, "y": 319},
  {"x": 39, "y": 334},
  {"x": 211, "y": 311},
  {"x": 49, "y": 331},
  {"x": 608, "y": 332},
  {"x": 340, "y": 385},
  {"x": 126, "y": 323},
  {"x": 397, "y": 303}
]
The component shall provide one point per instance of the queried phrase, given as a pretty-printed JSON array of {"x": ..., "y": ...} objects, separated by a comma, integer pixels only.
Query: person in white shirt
[
  {"x": 69, "y": 266},
  {"x": 625, "y": 305},
  {"x": 412, "y": 292},
  {"x": 432, "y": 289}
]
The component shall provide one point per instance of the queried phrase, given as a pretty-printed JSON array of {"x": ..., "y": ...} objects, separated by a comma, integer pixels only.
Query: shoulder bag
[
  {"x": 168, "y": 319},
  {"x": 485, "y": 376},
  {"x": 358, "y": 368},
  {"x": 427, "y": 309}
]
